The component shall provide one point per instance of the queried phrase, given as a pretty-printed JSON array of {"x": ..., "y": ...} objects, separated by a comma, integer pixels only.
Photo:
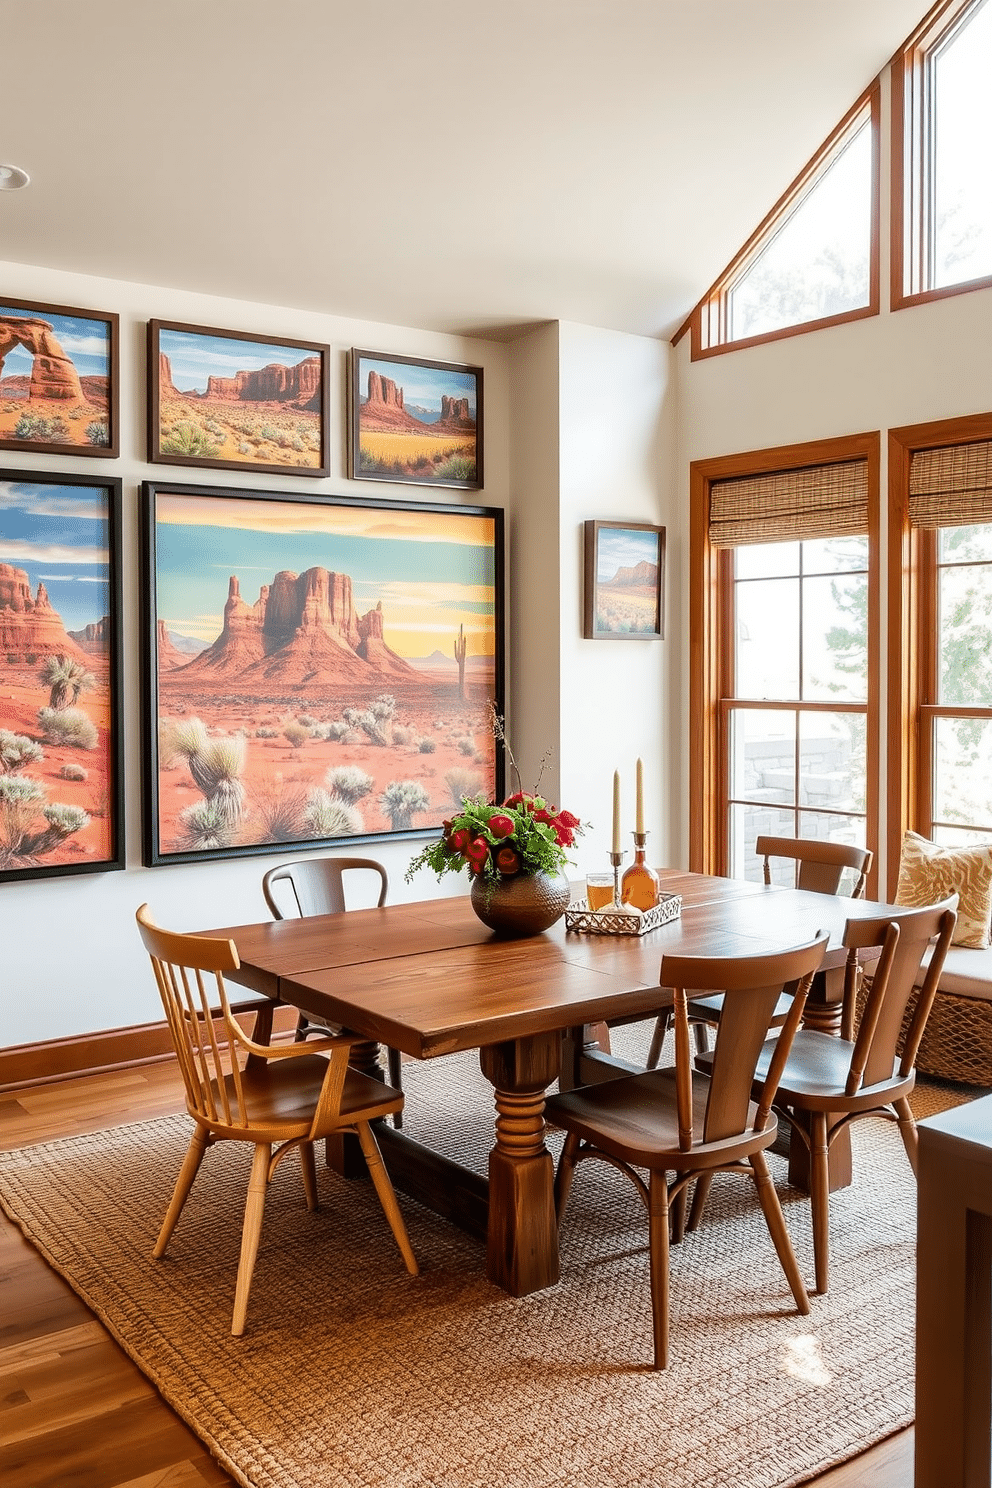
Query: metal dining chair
[{"x": 314, "y": 886}]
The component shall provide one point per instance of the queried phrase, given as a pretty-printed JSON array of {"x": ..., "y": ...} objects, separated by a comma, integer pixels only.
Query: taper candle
[
  {"x": 639, "y": 818},
  {"x": 616, "y": 811}
]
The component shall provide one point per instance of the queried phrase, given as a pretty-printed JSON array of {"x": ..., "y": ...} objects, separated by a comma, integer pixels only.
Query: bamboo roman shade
[
  {"x": 952, "y": 486},
  {"x": 816, "y": 501}
]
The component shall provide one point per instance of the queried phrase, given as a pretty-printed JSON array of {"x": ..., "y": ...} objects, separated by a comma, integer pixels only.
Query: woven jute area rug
[{"x": 353, "y": 1374}]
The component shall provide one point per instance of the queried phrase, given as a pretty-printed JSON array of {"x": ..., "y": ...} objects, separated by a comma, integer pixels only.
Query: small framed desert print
[
  {"x": 230, "y": 401},
  {"x": 416, "y": 421},
  {"x": 58, "y": 379},
  {"x": 624, "y": 581}
]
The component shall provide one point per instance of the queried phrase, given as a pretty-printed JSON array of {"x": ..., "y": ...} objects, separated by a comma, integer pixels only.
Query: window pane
[
  {"x": 832, "y": 761},
  {"x": 835, "y": 637},
  {"x": 766, "y": 560},
  {"x": 962, "y": 772},
  {"x": 768, "y": 639},
  {"x": 817, "y": 263},
  {"x": 964, "y": 633},
  {"x": 763, "y": 756},
  {"x": 965, "y": 544},
  {"x": 747, "y": 823},
  {"x": 960, "y": 836},
  {"x": 962, "y": 146},
  {"x": 835, "y": 554}
]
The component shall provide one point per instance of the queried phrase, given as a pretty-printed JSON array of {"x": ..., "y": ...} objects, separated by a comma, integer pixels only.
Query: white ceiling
[{"x": 467, "y": 166}]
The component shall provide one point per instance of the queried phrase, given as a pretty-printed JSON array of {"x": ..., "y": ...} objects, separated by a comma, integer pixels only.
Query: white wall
[{"x": 70, "y": 958}]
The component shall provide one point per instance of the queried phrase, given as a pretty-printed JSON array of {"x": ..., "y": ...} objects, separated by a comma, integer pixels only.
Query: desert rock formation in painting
[
  {"x": 267, "y": 415},
  {"x": 394, "y": 441},
  {"x": 54, "y": 405}
]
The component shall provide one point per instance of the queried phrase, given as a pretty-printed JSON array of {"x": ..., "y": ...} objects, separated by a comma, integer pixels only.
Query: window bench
[{"x": 957, "y": 1042}]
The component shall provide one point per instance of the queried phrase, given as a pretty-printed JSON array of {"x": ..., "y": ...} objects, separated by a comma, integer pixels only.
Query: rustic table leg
[
  {"x": 522, "y": 1253},
  {"x": 341, "y": 1149}
]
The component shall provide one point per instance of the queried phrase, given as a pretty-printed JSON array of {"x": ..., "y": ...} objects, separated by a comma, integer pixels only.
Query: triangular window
[{"x": 814, "y": 259}]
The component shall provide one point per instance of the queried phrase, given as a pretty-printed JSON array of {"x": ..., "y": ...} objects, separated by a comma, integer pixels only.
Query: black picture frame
[
  {"x": 67, "y": 402},
  {"x": 305, "y": 676},
  {"x": 630, "y": 605},
  {"x": 64, "y": 757},
  {"x": 246, "y": 413},
  {"x": 414, "y": 398}
]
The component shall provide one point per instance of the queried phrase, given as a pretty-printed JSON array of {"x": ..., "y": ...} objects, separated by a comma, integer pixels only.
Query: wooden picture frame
[
  {"x": 59, "y": 379},
  {"x": 61, "y": 727},
  {"x": 416, "y": 421},
  {"x": 244, "y": 402},
  {"x": 624, "y": 589},
  {"x": 349, "y": 702}
]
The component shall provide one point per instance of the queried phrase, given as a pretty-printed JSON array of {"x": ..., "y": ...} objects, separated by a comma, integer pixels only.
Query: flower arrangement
[{"x": 524, "y": 835}]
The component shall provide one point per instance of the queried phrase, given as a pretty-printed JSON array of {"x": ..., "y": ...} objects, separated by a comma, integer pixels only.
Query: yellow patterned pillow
[{"x": 928, "y": 873}]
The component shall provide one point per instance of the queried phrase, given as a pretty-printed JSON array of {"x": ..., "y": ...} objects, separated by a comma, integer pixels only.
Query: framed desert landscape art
[
  {"x": 415, "y": 420},
  {"x": 236, "y": 402},
  {"x": 624, "y": 581},
  {"x": 316, "y": 670},
  {"x": 58, "y": 379},
  {"x": 61, "y": 782}
]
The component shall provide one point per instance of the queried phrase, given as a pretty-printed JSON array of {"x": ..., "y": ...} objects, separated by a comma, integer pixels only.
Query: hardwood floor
[{"x": 73, "y": 1408}]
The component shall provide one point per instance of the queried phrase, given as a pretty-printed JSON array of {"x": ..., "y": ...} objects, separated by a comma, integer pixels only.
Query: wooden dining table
[{"x": 430, "y": 979}]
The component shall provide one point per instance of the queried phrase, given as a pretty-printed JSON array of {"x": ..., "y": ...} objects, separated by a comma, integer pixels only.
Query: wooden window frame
[
  {"x": 910, "y": 192},
  {"x": 712, "y": 307},
  {"x": 711, "y": 638},
  {"x": 912, "y": 651}
]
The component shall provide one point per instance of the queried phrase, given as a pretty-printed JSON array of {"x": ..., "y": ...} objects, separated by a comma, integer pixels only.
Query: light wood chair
[
  {"x": 278, "y": 1098},
  {"x": 829, "y": 1082},
  {"x": 819, "y": 867},
  {"x": 314, "y": 886},
  {"x": 694, "y": 1125}
]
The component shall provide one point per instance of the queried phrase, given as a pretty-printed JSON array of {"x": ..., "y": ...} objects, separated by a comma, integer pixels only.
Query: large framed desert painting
[
  {"x": 624, "y": 589},
  {"x": 58, "y": 379},
  {"x": 61, "y": 783},
  {"x": 229, "y": 401},
  {"x": 317, "y": 670},
  {"x": 415, "y": 420}
]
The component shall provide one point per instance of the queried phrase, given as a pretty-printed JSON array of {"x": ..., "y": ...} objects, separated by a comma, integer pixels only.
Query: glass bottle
[{"x": 640, "y": 884}]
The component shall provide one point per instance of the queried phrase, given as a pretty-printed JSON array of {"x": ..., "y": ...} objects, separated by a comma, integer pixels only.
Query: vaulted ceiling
[{"x": 472, "y": 167}]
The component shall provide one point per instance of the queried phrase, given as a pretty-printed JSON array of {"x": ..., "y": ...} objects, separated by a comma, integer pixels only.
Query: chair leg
[
  {"x": 394, "y": 1061},
  {"x": 199, "y": 1142},
  {"x": 775, "y": 1220},
  {"x": 309, "y": 1175},
  {"x": 819, "y": 1193},
  {"x": 387, "y": 1197},
  {"x": 699, "y": 1197},
  {"x": 702, "y": 1036},
  {"x": 565, "y": 1173},
  {"x": 907, "y": 1130},
  {"x": 658, "y": 1220},
  {"x": 657, "y": 1039},
  {"x": 678, "y": 1208},
  {"x": 250, "y": 1235}
]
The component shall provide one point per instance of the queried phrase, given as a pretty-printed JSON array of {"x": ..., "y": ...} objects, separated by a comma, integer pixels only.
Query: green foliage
[
  {"x": 456, "y": 467},
  {"x": 97, "y": 432},
  {"x": 185, "y": 438},
  {"x": 53, "y": 430},
  {"x": 203, "y": 826},
  {"x": 17, "y": 751},
  {"x": 30, "y": 827},
  {"x": 67, "y": 678},
  {"x": 525, "y": 835},
  {"x": 401, "y": 801},
  {"x": 68, "y": 726}
]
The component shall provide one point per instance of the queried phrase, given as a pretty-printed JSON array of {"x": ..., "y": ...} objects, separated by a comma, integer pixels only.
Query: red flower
[
  {"x": 527, "y": 802},
  {"x": 502, "y": 826},
  {"x": 507, "y": 860},
  {"x": 460, "y": 840},
  {"x": 567, "y": 819},
  {"x": 477, "y": 852}
]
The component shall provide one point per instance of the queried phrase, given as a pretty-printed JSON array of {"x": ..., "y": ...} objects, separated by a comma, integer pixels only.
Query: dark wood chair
[
  {"x": 829, "y": 1082},
  {"x": 278, "y": 1097},
  {"x": 314, "y": 886},
  {"x": 818, "y": 867},
  {"x": 694, "y": 1125}
]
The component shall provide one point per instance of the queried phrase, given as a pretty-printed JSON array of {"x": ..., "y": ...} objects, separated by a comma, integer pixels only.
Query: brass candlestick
[{"x": 616, "y": 858}]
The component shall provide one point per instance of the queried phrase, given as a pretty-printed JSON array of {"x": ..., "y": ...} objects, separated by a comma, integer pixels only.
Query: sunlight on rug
[{"x": 354, "y": 1375}]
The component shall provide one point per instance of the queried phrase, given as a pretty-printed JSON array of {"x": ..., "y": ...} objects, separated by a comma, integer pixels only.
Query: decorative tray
[{"x": 602, "y": 922}]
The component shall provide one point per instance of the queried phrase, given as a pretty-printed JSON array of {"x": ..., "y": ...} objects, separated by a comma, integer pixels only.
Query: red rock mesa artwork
[
  {"x": 417, "y": 422},
  {"x": 54, "y": 379},
  {"x": 310, "y": 713}
]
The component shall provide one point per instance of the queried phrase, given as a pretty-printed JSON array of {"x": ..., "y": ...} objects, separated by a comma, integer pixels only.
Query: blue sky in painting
[
  {"x": 422, "y": 386},
  {"x": 59, "y": 536},
  {"x": 85, "y": 342},
  {"x": 193, "y": 358},
  {"x": 624, "y": 547},
  {"x": 427, "y": 587}
]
